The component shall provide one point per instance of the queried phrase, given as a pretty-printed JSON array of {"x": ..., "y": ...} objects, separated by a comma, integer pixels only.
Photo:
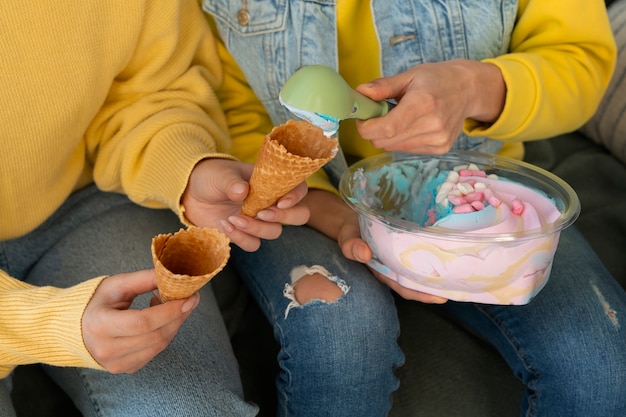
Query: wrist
[
  {"x": 328, "y": 212},
  {"x": 487, "y": 92}
]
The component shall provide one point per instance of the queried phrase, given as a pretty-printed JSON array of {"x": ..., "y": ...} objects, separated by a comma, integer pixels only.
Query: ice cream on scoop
[{"x": 320, "y": 95}]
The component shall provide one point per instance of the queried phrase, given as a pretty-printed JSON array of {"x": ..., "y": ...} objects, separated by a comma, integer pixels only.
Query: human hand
[
  {"x": 331, "y": 216},
  {"x": 215, "y": 193},
  {"x": 353, "y": 247},
  {"x": 434, "y": 99},
  {"x": 407, "y": 293},
  {"x": 123, "y": 340}
]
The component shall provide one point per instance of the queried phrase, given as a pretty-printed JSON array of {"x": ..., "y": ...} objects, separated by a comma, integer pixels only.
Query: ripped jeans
[
  {"x": 337, "y": 357},
  {"x": 568, "y": 346}
]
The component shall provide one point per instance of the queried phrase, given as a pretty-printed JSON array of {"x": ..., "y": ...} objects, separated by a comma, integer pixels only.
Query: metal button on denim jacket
[{"x": 271, "y": 39}]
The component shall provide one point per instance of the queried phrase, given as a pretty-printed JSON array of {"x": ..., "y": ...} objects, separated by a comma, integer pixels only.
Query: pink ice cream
[{"x": 460, "y": 233}]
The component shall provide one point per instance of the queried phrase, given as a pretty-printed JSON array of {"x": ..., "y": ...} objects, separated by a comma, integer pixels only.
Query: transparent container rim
[{"x": 485, "y": 161}]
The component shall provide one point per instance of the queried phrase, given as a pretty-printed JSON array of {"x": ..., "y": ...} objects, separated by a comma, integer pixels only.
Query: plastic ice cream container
[{"x": 465, "y": 226}]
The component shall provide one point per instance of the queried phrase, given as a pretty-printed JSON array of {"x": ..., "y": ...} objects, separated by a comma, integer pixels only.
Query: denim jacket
[{"x": 271, "y": 39}]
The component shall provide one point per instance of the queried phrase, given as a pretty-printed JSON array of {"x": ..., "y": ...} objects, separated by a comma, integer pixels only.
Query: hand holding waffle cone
[
  {"x": 290, "y": 154},
  {"x": 187, "y": 260}
]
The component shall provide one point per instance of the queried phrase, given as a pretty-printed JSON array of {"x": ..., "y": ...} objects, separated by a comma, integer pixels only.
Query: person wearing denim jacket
[{"x": 466, "y": 74}]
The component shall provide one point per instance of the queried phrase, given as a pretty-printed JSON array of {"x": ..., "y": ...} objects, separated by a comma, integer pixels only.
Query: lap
[
  {"x": 98, "y": 234},
  {"x": 196, "y": 375},
  {"x": 327, "y": 347},
  {"x": 568, "y": 337},
  {"x": 302, "y": 250}
]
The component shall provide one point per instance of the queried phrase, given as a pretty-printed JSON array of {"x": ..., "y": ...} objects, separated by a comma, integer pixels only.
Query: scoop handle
[{"x": 366, "y": 108}]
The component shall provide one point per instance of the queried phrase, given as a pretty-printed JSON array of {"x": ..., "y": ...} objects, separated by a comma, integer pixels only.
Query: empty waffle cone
[
  {"x": 291, "y": 153},
  {"x": 187, "y": 260}
]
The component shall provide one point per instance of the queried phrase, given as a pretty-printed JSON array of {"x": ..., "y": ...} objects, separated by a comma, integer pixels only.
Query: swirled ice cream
[{"x": 459, "y": 232}]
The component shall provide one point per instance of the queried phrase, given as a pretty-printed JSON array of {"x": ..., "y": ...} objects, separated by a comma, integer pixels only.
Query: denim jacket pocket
[{"x": 249, "y": 17}]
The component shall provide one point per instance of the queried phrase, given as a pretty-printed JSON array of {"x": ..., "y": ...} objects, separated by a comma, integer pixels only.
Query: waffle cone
[
  {"x": 187, "y": 260},
  {"x": 290, "y": 153}
]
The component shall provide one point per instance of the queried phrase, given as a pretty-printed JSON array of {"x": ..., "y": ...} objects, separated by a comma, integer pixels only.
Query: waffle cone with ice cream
[
  {"x": 291, "y": 153},
  {"x": 186, "y": 260}
]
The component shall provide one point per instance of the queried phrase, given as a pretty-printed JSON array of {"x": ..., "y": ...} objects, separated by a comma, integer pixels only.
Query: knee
[
  {"x": 363, "y": 316},
  {"x": 316, "y": 287},
  {"x": 328, "y": 298},
  {"x": 314, "y": 283},
  {"x": 592, "y": 385}
]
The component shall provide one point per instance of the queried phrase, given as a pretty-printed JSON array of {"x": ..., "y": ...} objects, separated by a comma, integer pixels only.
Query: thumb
[
  {"x": 121, "y": 289},
  {"x": 132, "y": 284},
  {"x": 237, "y": 190},
  {"x": 235, "y": 182},
  {"x": 383, "y": 88}
]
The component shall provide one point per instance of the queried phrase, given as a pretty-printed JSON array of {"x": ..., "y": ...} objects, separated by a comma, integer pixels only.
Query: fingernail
[
  {"x": 239, "y": 188},
  {"x": 355, "y": 253},
  {"x": 284, "y": 203},
  {"x": 238, "y": 221},
  {"x": 266, "y": 215},
  {"x": 228, "y": 228},
  {"x": 190, "y": 304}
]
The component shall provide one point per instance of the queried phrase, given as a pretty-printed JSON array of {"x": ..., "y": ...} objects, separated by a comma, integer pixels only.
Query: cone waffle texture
[
  {"x": 188, "y": 259},
  {"x": 291, "y": 153}
]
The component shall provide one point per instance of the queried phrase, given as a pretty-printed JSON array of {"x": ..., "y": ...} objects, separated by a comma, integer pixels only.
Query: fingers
[
  {"x": 407, "y": 293},
  {"x": 430, "y": 112},
  {"x": 152, "y": 334},
  {"x": 294, "y": 216},
  {"x": 356, "y": 249},
  {"x": 125, "y": 323},
  {"x": 130, "y": 353},
  {"x": 240, "y": 237},
  {"x": 256, "y": 227},
  {"x": 214, "y": 196},
  {"x": 123, "y": 288},
  {"x": 247, "y": 232},
  {"x": 123, "y": 340},
  {"x": 293, "y": 197},
  {"x": 384, "y": 88},
  {"x": 414, "y": 128},
  {"x": 351, "y": 244},
  {"x": 236, "y": 189}
]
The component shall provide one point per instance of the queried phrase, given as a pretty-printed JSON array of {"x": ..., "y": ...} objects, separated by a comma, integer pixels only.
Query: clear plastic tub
[{"x": 491, "y": 256}]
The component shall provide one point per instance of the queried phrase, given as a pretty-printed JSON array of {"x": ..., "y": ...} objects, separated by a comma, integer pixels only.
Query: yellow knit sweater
[{"x": 113, "y": 92}]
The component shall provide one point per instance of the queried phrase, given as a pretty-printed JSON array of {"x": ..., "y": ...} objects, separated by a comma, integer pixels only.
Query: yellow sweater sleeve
[
  {"x": 43, "y": 324},
  {"x": 557, "y": 70},
  {"x": 248, "y": 121},
  {"x": 94, "y": 92},
  {"x": 162, "y": 114},
  {"x": 123, "y": 96}
]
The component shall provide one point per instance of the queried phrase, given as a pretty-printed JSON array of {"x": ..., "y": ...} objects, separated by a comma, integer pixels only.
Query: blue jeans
[
  {"x": 568, "y": 345},
  {"x": 337, "y": 358},
  {"x": 96, "y": 233}
]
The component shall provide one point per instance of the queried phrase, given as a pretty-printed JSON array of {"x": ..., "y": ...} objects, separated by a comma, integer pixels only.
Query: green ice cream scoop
[{"x": 320, "y": 95}]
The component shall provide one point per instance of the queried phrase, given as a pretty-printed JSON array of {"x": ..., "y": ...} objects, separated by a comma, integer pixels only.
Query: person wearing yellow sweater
[
  {"x": 485, "y": 75},
  {"x": 111, "y": 133}
]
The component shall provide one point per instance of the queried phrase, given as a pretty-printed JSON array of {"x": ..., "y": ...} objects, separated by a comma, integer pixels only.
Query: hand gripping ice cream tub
[{"x": 465, "y": 226}]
